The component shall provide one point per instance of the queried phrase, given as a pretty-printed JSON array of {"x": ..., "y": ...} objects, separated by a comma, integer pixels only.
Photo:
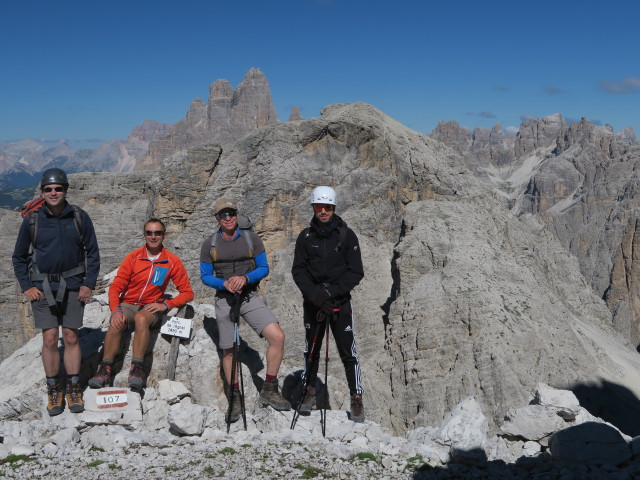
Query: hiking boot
[
  {"x": 236, "y": 408},
  {"x": 136, "y": 376},
  {"x": 74, "y": 398},
  {"x": 55, "y": 404},
  {"x": 271, "y": 396},
  {"x": 309, "y": 401},
  {"x": 102, "y": 377},
  {"x": 357, "y": 409}
]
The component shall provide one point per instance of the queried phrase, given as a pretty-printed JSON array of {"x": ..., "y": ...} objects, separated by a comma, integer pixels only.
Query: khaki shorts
[
  {"x": 253, "y": 310},
  {"x": 70, "y": 317},
  {"x": 130, "y": 311}
]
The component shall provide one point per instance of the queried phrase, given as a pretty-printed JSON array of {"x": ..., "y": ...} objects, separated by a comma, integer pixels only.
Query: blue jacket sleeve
[
  {"x": 208, "y": 278},
  {"x": 261, "y": 270}
]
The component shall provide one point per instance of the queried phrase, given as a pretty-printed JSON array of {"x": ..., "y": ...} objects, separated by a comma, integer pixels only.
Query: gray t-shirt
[{"x": 232, "y": 256}]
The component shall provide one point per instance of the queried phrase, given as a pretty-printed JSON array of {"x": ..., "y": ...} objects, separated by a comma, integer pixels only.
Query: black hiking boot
[
  {"x": 236, "y": 408},
  {"x": 309, "y": 401},
  {"x": 357, "y": 409}
]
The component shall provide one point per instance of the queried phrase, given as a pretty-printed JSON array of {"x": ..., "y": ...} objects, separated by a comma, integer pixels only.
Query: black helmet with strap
[{"x": 54, "y": 176}]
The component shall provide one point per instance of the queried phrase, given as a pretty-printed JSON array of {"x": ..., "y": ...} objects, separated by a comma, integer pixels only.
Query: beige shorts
[
  {"x": 253, "y": 310},
  {"x": 130, "y": 311}
]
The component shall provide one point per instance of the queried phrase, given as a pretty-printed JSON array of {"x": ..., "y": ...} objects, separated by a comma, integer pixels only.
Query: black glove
[
  {"x": 319, "y": 297},
  {"x": 327, "y": 308}
]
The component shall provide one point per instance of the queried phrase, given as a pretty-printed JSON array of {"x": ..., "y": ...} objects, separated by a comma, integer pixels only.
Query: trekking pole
[
  {"x": 323, "y": 411},
  {"x": 296, "y": 413},
  {"x": 235, "y": 362}
]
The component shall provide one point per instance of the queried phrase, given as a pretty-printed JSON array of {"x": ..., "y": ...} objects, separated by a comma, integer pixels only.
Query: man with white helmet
[{"x": 327, "y": 265}]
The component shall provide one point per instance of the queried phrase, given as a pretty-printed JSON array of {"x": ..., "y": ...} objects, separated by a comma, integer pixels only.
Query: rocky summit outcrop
[
  {"x": 579, "y": 182},
  {"x": 460, "y": 297},
  {"x": 227, "y": 116}
]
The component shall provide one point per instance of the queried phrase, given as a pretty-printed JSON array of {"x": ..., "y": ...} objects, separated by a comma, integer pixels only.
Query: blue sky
[{"x": 89, "y": 71}]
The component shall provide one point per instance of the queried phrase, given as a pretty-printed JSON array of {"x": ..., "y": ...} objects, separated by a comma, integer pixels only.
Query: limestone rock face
[
  {"x": 579, "y": 182},
  {"x": 227, "y": 116},
  {"x": 460, "y": 298}
]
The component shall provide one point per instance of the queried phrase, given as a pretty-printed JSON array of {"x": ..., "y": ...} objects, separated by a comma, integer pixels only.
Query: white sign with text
[{"x": 177, "y": 327}]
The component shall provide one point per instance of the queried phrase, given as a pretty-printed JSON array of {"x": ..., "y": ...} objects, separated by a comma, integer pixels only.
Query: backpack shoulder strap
[
  {"x": 212, "y": 248},
  {"x": 33, "y": 227},
  {"x": 77, "y": 220}
]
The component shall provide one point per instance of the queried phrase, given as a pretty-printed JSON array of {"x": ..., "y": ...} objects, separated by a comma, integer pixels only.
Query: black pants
[{"x": 342, "y": 329}]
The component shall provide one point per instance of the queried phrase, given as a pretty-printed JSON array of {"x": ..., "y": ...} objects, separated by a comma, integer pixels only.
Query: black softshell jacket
[{"x": 321, "y": 261}]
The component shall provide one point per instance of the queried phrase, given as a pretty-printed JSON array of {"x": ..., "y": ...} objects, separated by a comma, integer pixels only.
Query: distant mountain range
[{"x": 228, "y": 115}]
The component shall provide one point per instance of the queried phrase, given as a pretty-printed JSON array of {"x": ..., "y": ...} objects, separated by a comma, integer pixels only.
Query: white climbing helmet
[{"x": 323, "y": 195}]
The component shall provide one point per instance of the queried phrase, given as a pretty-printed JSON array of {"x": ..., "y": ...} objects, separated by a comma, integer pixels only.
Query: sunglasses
[
  {"x": 224, "y": 215},
  {"x": 318, "y": 207},
  {"x": 150, "y": 233},
  {"x": 53, "y": 189}
]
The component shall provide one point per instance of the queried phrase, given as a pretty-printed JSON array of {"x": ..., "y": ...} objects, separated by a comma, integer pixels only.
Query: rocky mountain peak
[
  {"x": 227, "y": 116},
  {"x": 295, "y": 114}
]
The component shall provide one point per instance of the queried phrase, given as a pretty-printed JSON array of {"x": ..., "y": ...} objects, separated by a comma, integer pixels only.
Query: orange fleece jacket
[{"x": 141, "y": 281}]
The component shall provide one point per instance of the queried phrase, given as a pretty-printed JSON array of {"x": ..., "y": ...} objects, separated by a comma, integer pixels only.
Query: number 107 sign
[{"x": 177, "y": 327}]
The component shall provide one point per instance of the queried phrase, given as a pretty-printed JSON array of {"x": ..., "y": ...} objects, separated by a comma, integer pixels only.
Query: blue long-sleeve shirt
[{"x": 207, "y": 268}]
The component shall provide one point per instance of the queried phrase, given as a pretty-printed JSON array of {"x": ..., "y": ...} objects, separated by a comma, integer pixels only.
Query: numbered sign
[
  {"x": 112, "y": 399},
  {"x": 177, "y": 327}
]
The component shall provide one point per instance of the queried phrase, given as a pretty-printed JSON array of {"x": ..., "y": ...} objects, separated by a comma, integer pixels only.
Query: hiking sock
[
  {"x": 137, "y": 360},
  {"x": 107, "y": 361},
  {"x": 53, "y": 381},
  {"x": 269, "y": 378},
  {"x": 74, "y": 378}
]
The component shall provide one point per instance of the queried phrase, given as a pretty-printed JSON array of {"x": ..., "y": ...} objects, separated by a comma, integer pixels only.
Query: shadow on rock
[{"x": 612, "y": 403}]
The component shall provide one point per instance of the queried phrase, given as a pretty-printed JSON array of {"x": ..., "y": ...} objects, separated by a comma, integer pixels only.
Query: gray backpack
[{"x": 246, "y": 226}]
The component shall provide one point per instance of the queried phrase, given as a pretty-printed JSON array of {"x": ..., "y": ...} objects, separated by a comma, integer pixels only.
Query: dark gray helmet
[{"x": 54, "y": 175}]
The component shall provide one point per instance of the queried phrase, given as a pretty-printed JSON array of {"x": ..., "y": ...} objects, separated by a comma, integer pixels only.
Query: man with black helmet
[
  {"x": 56, "y": 261},
  {"x": 326, "y": 266}
]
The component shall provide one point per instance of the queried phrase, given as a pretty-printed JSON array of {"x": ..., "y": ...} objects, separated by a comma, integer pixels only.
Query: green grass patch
[
  {"x": 310, "y": 472},
  {"x": 95, "y": 463},
  {"x": 365, "y": 456},
  {"x": 113, "y": 466},
  {"x": 245, "y": 445},
  {"x": 11, "y": 458},
  {"x": 227, "y": 451}
]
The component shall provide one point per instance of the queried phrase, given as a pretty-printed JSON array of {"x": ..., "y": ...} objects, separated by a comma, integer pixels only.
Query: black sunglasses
[
  {"x": 52, "y": 189},
  {"x": 157, "y": 233},
  {"x": 224, "y": 215}
]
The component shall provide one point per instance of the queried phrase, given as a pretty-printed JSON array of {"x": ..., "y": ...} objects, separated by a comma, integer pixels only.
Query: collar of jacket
[
  {"x": 325, "y": 230},
  {"x": 142, "y": 255}
]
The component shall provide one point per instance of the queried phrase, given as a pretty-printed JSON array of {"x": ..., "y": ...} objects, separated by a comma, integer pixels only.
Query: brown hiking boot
[
  {"x": 102, "y": 377},
  {"x": 74, "y": 398},
  {"x": 136, "y": 376},
  {"x": 236, "y": 408},
  {"x": 55, "y": 404},
  {"x": 357, "y": 409},
  {"x": 309, "y": 401},
  {"x": 271, "y": 396}
]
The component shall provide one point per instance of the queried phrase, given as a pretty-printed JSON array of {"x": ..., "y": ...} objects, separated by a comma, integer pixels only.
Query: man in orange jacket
[{"x": 136, "y": 297}]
